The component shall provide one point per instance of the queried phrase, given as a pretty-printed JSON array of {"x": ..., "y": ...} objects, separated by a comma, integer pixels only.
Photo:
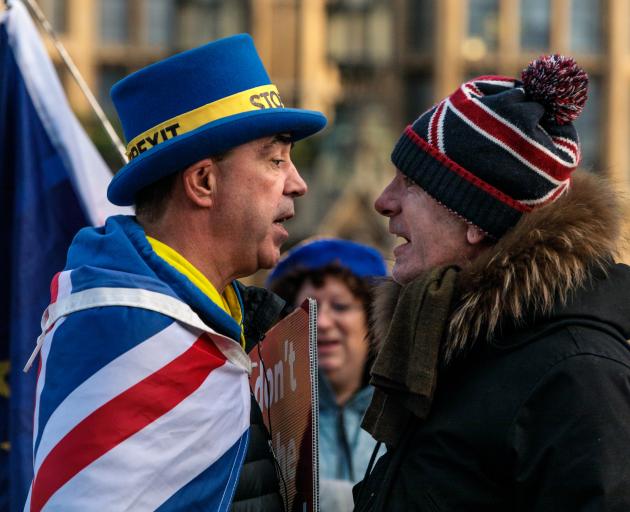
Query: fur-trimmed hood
[{"x": 532, "y": 271}]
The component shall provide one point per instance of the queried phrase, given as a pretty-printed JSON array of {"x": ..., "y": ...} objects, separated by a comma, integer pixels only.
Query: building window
[
  {"x": 114, "y": 21},
  {"x": 160, "y": 18},
  {"x": 379, "y": 35},
  {"x": 108, "y": 75},
  {"x": 420, "y": 25},
  {"x": 589, "y": 126},
  {"x": 483, "y": 22},
  {"x": 586, "y": 26},
  {"x": 346, "y": 41},
  {"x": 418, "y": 95},
  {"x": 360, "y": 33},
  {"x": 535, "y": 24},
  {"x": 57, "y": 13},
  {"x": 201, "y": 21}
]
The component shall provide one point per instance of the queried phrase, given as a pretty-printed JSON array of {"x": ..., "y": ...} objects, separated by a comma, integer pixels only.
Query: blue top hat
[
  {"x": 361, "y": 260},
  {"x": 198, "y": 103}
]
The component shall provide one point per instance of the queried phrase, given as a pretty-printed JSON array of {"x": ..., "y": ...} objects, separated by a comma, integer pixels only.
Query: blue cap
[{"x": 361, "y": 260}]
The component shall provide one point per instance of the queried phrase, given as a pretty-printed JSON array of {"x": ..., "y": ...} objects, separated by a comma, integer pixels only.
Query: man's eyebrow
[{"x": 279, "y": 139}]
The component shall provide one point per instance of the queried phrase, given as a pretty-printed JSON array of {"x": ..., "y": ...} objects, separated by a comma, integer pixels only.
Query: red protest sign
[{"x": 284, "y": 382}]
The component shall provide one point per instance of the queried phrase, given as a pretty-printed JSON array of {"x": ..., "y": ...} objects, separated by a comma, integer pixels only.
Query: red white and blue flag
[{"x": 159, "y": 422}]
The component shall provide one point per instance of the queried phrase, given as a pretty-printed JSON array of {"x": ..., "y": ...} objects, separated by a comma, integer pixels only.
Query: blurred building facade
[{"x": 372, "y": 66}]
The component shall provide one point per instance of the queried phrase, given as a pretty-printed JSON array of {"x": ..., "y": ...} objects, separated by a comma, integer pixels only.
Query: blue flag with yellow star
[{"x": 52, "y": 182}]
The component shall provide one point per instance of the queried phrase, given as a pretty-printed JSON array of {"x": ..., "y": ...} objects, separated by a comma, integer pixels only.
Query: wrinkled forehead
[{"x": 262, "y": 147}]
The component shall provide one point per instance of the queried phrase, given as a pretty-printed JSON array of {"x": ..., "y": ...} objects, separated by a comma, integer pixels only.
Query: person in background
[{"x": 339, "y": 275}]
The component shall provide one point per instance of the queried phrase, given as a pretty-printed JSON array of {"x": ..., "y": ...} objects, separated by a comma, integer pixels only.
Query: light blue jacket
[{"x": 344, "y": 447}]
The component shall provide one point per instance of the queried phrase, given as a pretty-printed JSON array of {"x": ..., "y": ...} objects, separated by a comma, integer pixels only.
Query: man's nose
[
  {"x": 386, "y": 204},
  {"x": 295, "y": 186}
]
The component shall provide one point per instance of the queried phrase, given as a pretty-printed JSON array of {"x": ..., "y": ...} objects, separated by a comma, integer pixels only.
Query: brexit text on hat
[
  {"x": 257, "y": 98},
  {"x": 153, "y": 139}
]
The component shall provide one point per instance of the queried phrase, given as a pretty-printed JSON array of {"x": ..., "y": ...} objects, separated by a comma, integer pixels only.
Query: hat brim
[{"x": 210, "y": 139}]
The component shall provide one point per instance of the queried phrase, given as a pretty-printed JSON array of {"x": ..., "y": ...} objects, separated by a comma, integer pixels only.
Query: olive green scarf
[{"x": 405, "y": 369}]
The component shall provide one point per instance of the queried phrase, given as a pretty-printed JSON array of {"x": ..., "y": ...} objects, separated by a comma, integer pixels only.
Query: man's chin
[
  {"x": 402, "y": 275},
  {"x": 269, "y": 259}
]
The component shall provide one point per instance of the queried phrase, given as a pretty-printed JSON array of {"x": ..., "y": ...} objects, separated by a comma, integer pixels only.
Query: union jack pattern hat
[{"x": 499, "y": 147}]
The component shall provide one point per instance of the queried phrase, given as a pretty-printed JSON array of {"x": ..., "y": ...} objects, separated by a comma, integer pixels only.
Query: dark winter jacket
[{"x": 532, "y": 406}]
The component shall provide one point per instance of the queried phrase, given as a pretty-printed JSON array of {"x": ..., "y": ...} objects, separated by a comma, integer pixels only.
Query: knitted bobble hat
[{"x": 499, "y": 147}]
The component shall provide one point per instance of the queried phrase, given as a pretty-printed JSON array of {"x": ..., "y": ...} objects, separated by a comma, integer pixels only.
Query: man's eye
[{"x": 277, "y": 161}]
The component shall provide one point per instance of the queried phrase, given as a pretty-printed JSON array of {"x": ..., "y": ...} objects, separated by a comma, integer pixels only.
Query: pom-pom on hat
[
  {"x": 499, "y": 147},
  {"x": 195, "y": 104},
  {"x": 361, "y": 260}
]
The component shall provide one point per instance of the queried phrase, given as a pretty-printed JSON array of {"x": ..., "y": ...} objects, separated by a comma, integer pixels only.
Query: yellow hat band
[{"x": 258, "y": 98}]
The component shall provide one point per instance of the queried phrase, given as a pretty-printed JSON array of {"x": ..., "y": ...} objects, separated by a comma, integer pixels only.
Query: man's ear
[
  {"x": 474, "y": 235},
  {"x": 199, "y": 181}
]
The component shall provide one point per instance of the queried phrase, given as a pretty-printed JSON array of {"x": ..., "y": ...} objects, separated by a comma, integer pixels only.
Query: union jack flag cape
[{"x": 142, "y": 400}]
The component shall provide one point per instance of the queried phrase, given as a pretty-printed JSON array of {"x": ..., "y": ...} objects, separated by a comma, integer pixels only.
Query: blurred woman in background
[{"x": 338, "y": 274}]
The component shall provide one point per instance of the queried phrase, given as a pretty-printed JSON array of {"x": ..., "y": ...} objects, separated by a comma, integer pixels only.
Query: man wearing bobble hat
[
  {"x": 503, "y": 376},
  {"x": 143, "y": 401}
]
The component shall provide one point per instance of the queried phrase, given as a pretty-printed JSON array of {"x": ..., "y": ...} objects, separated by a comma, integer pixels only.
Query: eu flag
[{"x": 52, "y": 182}]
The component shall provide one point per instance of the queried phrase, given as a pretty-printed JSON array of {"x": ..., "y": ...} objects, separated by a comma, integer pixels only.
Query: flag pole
[{"x": 65, "y": 56}]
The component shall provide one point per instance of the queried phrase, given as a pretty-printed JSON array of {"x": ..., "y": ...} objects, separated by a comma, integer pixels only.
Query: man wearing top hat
[{"x": 143, "y": 400}]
